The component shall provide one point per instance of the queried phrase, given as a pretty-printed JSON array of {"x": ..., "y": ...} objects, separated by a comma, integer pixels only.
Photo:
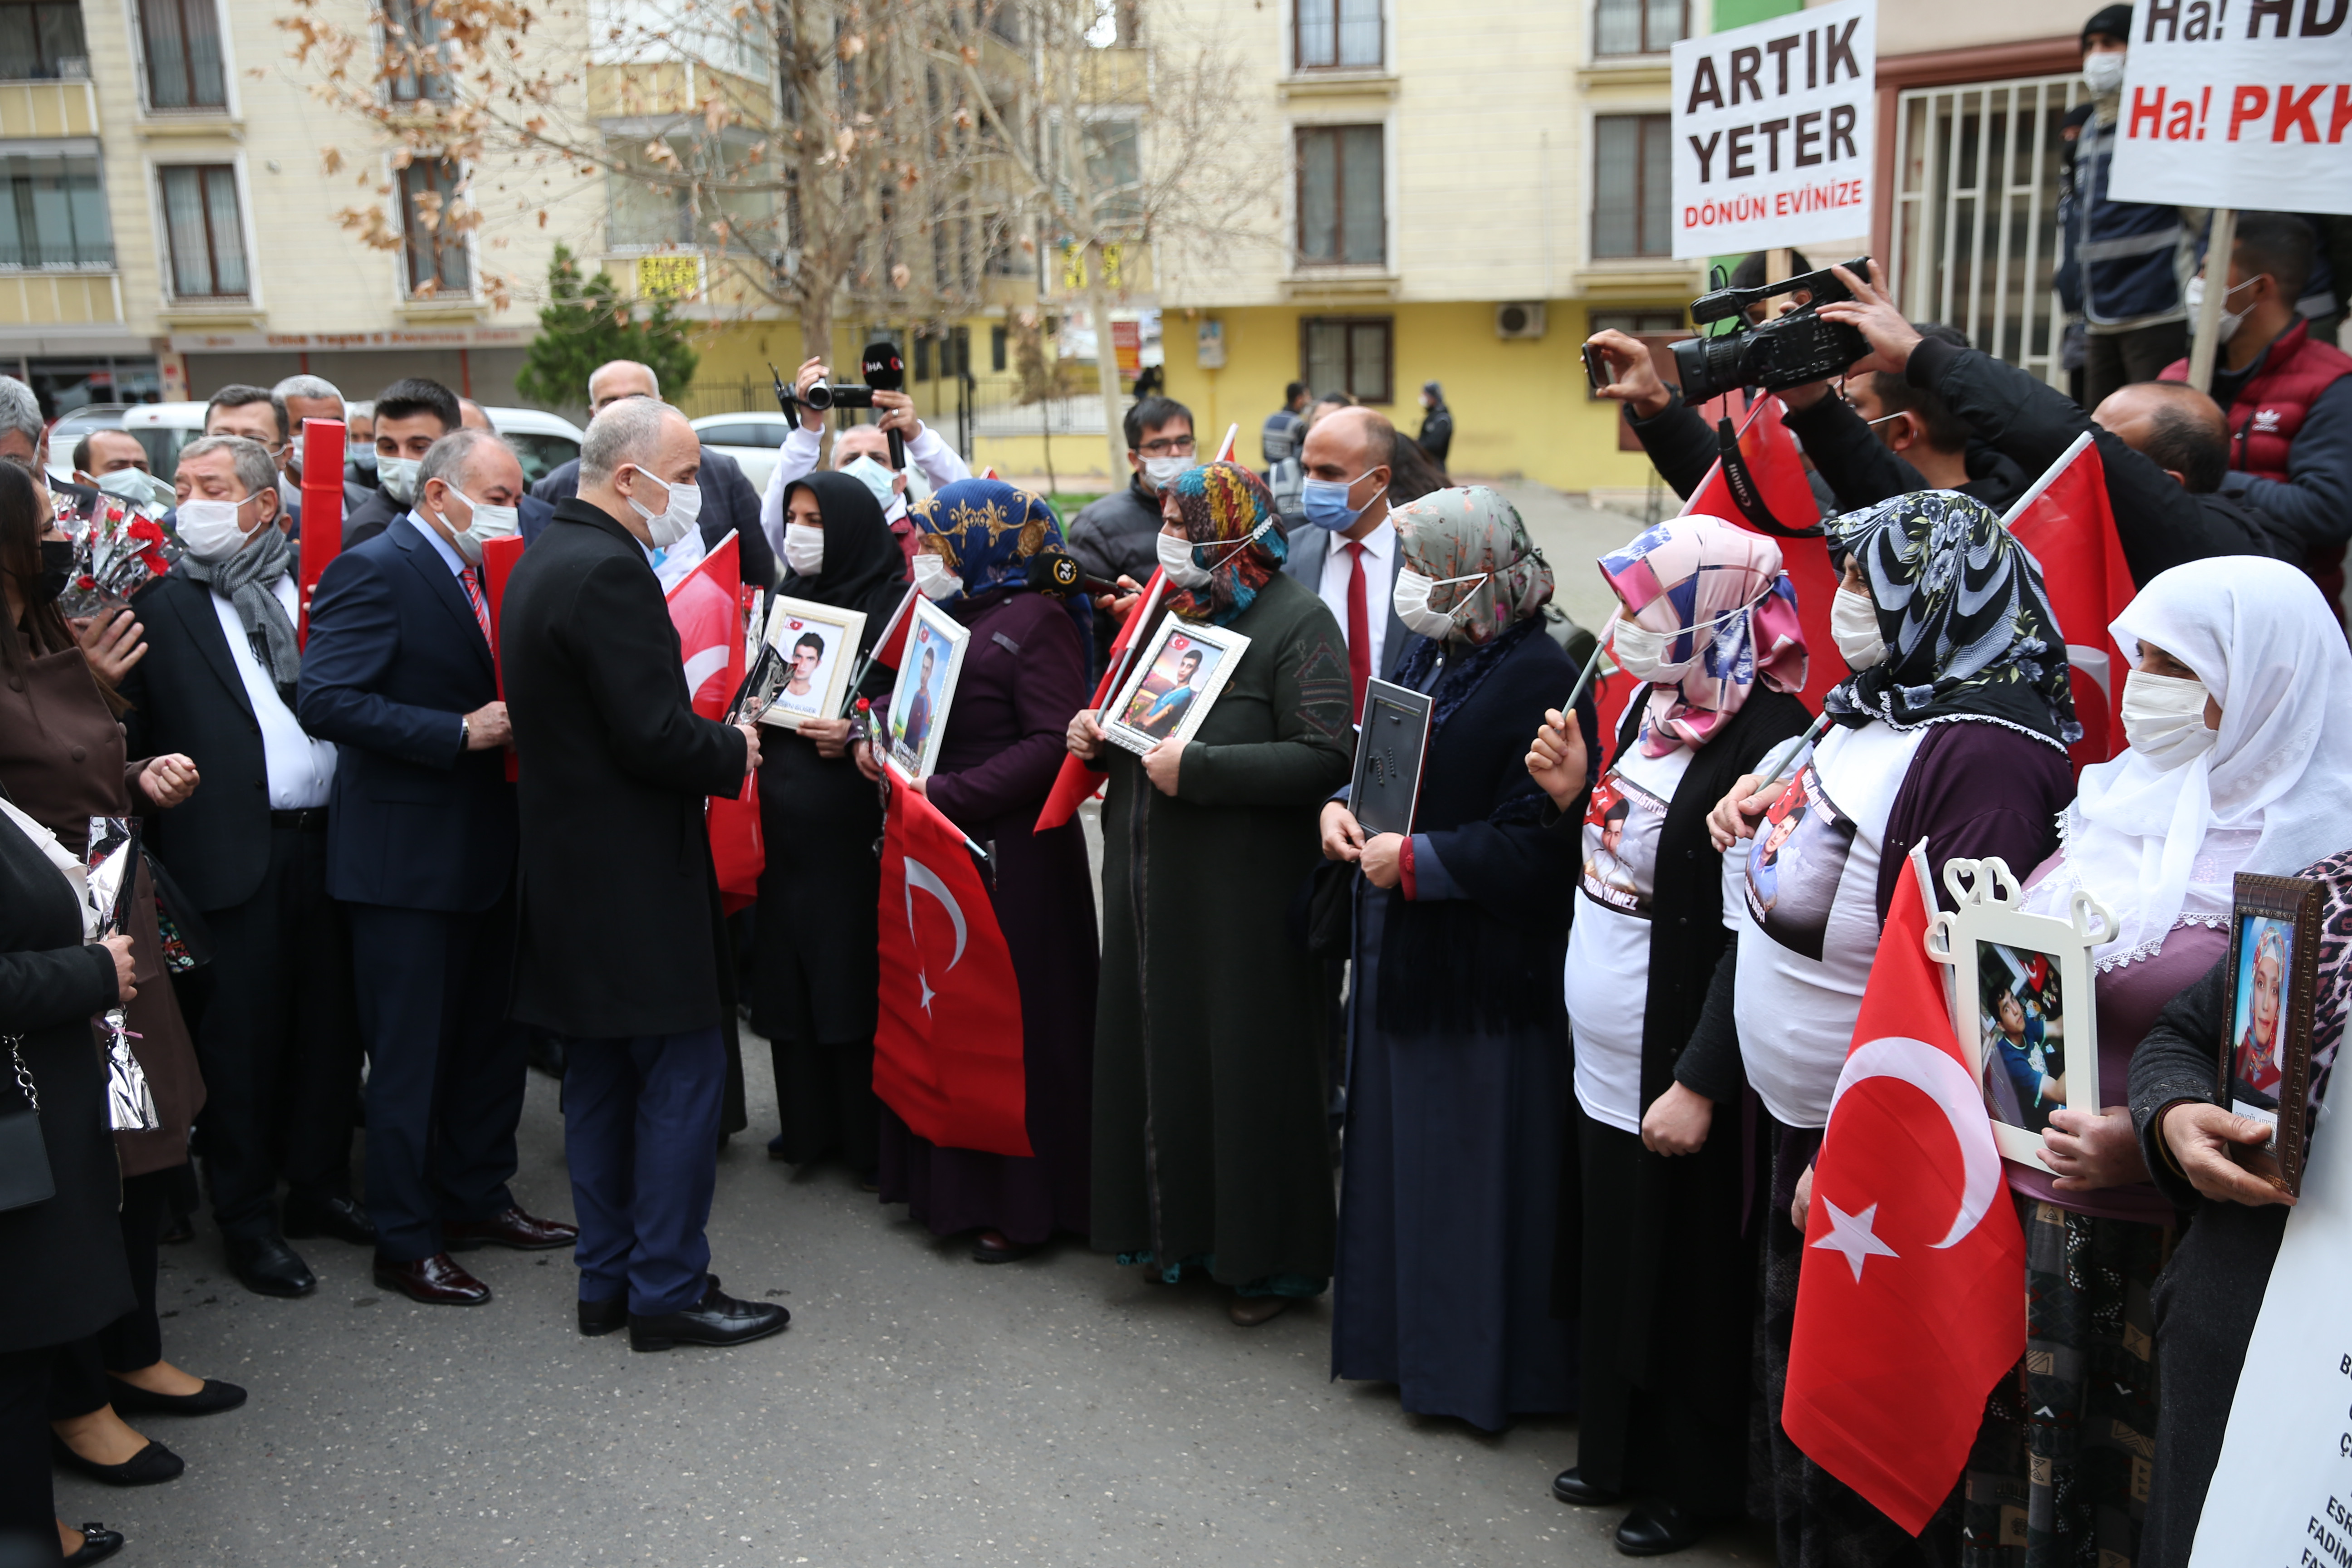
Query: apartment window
[
  {"x": 1638, "y": 26},
  {"x": 996, "y": 346},
  {"x": 183, "y": 44},
  {"x": 1342, "y": 213},
  {"x": 42, "y": 41},
  {"x": 434, "y": 251},
  {"x": 54, "y": 213},
  {"x": 1632, "y": 186},
  {"x": 666, "y": 208},
  {"x": 411, "y": 43},
  {"x": 1337, "y": 35},
  {"x": 206, "y": 233},
  {"x": 1355, "y": 354},
  {"x": 1114, "y": 169}
]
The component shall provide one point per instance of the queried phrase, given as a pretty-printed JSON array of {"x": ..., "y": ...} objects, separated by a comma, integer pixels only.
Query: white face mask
[
  {"x": 804, "y": 548},
  {"x": 1411, "y": 597},
  {"x": 1642, "y": 653},
  {"x": 932, "y": 576},
  {"x": 1161, "y": 472},
  {"x": 2193, "y": 298},
  {"x": 2104, "y": 71},
  {"x": 488, "y": 522},
  {"x": 675, "y": 521},
  {"x": 136, "y": 486},
  {"x": 1854, "y": 623},
  {"x": 2164, "y": 719},
  {"x": 878, "y": 478},
  {"x": 1176, "y": 555},
  {"x": 209, "y": 530},
  {"x": 398, "y": 477}
]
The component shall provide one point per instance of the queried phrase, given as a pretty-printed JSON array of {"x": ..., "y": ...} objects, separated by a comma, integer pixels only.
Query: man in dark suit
[
  {"x": 421, "y": 851},
  {"x": 535, "y": 513},
  {"x": 276, "y": 1038},
  {"x": 1348, "y": 558},
  {"x": 313, "y": 397},
  {"x": 410, "y": 416},
  {"x": 729, "y": 501},
  {"x": 620, "y": 937}
]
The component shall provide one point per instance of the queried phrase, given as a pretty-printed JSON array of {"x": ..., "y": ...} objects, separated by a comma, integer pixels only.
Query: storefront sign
[{"x": 331, "y": 343}]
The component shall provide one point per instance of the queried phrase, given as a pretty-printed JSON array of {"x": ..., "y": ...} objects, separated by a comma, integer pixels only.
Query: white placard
[
  {"x": 1772, "y": 130},
  {"x": 2246, "y": 105},
  {"x": 2282, "y": 1495}
]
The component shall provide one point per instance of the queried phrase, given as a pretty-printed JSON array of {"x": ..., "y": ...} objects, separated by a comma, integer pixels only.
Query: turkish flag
[
  {"x": 499, "y": 558},
  {"x": 890, "y": 645},
  {"x": 1911, "y": 1303},
  {"x": 1078, "y": 781},
  {"x": 947, "y": 1047},
  {"x": 706, "y": 605},
  {"x": 2066, "y": 524},
  {"x": 322, "y": 508}
]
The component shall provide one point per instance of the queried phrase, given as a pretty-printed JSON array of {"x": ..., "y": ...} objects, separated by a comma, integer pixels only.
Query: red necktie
[
  {"x": 481, "y": 605},
  {"x": 1360, "y": 627}
]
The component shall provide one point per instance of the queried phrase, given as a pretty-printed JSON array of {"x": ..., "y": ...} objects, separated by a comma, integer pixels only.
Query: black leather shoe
[
  {"x": 1657, "y": 1529},
  {"x": 604, "y": 1317},
  {"x": 128, "y": 1399},
  {"x": 149, "y": 1466},
  {"x": 435, "y": 1281},
  {"x": 98, "y": 1544},
  {"x": 266, "y": 1265},
  {"x": 995, "y": 1246},
  {"x": 546, "y": 1053},
  {"x": 508, "y": 1227},
  {"x": 717, "y": 1319},
  {"x": 342, "y": 1218},
  {"x": 1570, "y": 1487}
]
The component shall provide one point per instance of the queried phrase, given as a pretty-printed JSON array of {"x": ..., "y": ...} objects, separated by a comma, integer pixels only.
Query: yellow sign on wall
[
  {"x": 1074, "y": 267},
  {"x": 673, "y": 277}
]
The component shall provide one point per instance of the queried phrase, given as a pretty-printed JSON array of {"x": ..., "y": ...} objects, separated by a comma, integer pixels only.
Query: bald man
[
  {"x": 1347, "y": 555},
  {"x": 862, "y": 450},
  {"x": 536, "y": 513}
]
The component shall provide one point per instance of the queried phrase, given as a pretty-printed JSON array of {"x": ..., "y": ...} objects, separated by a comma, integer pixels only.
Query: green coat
[{"x": 1209, "y": 1030}]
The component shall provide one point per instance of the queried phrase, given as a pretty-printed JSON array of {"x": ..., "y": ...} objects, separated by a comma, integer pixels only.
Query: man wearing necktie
[
  {"x": 1348, "y": 556},
  {"x": 421, "y": 844}
]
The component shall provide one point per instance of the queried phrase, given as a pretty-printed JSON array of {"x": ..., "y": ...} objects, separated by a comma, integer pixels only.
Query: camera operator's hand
[
  {"x": 812, "y": 369},
  {"x": 897, "y": 412},
  {"x": 1872, "y": 313},
  {"x": 1637, "y": 384}
]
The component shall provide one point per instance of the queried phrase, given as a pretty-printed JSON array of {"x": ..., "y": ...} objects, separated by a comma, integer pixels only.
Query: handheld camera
[
  {"x": 883, "y": 371},
  {"x": 1787, "y": 351}
]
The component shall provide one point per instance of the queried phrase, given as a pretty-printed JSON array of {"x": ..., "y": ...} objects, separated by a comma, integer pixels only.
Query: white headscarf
[{"x": 2272, "y": 794}]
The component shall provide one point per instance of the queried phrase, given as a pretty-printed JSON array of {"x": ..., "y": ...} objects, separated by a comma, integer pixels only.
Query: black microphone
[{"x": 886, "y": 371}]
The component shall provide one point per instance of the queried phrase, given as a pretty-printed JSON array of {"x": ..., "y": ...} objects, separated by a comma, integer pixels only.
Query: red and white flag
[
  {"x": 890, "y": 643},
  {"x": 947, "y": 1044},
  {"x": 2066, "y": 525},
  {"x": 1911, "y": 1302},
  {"x": 706, "y": 605}
]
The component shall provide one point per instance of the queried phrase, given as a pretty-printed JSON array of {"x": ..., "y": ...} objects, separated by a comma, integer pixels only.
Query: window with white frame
[
  {"x": 205, "y": 231},
  {"x": 180, "y": 45},
  {"x": 432, "y": 249},
  {"x": 1342, "y": 199},
  {"x": 1638, "y": 26},
  {"x": 1633, "y": 186},
  {"x": 53, "y": 213},
  {"x": 413, "y": 53},
  {"x": 1336, "y": 34}
]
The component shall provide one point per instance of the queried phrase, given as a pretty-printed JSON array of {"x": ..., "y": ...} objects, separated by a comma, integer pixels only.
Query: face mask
[
  {"x": 2104, "y": 71},
  {"x": 874, "y": 477},
  {"x": 208, "y": 529},
  {"x": 1177, "y": 556},
  {"x": 2193, "y": 297},
  {"x": 675, "y": 521},
  {"x": 1161, "y": 472},
  {"x": 2164, "y": 719},
  {"x": 488, "y": 522},
  {"x": 1411, "y": 597},
  {"x": 363, "y": 460},
  {"x": 803, "y": 548},
  {"x": 398, "y": 477},
  {"x": 56, "y": 566},
  {"x": 1854, "y": 623},
  {"x": 932, "y": 576},
  {"x": 137, "y": 487},
  {"x": 1325, "y": 502}
]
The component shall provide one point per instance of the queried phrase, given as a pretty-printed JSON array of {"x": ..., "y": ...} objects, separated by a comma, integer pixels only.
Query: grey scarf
[{"x": 247, "y": 580}]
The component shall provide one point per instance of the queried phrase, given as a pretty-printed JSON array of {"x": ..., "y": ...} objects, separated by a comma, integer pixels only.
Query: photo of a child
[{"x": 2023, "y": 1016}]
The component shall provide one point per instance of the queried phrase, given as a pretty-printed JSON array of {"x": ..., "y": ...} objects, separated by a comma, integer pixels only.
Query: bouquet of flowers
[{"x": 116, "y": 550}]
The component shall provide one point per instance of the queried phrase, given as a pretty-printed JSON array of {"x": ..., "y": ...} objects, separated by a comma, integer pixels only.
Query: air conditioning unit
[{"x": 1520, "y": 319}]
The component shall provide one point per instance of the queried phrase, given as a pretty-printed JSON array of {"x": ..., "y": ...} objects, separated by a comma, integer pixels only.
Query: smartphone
[{"x": 1596, "y": 368}]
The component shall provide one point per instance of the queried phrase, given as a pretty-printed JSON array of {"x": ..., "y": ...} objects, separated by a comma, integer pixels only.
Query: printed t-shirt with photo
[
  {"x": 1809, "y": 917},
  {"x": 1607, "y": 974}
]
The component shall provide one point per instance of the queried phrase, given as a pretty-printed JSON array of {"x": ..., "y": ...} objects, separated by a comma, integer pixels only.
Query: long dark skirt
[
  {"x": 1044, "y": 903},
  {"x": 1447, "y": 1213}
]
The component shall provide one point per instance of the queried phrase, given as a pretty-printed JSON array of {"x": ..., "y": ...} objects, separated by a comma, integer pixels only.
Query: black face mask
[{"x": 57, "y": 567}]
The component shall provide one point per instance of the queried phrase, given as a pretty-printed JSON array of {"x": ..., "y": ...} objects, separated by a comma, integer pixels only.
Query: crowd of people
[{"x": 1531, "y": 1090}]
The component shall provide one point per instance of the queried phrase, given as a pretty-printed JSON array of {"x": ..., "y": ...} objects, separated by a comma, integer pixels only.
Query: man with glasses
[{"x": 1119, "y": 535}]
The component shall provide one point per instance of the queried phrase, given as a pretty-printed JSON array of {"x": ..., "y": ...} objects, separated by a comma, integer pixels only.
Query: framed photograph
[
  {"x": 1389, "y": 746},
  {"x": 917, "y": 719},
  {"x": 814, "y": 647},
  {"x": 2021, "y": 993},
  {"x": 1182, "y": 670},
  {"x": 2264, "y": 1068}
]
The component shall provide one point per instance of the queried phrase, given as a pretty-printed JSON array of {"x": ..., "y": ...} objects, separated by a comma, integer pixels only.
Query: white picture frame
[
  {"x": 2022, "y": 998},
  {"x": 917, "y": 720},
  {"x": 792, "y": 625},
  {"x": 1143, "y": 714}
]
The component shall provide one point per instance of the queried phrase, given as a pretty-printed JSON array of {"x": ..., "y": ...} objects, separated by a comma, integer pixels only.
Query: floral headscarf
[
  {"x": 1969, "y": 632},
  {"x": 1222, "y": 504},
  {"x": 1462, "y": 533},
  {"x": 987, "y": 531},
  {"x": 1685, "y": 572}
]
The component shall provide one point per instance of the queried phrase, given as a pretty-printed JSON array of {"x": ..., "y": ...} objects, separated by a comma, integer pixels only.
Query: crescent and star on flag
[
  {"x": 1936, "y": 1074},
  {"x": 921, "y": 876}
]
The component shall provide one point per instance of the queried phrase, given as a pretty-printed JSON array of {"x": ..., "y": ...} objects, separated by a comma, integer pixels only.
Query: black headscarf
[{"x": 863, "y": 568}]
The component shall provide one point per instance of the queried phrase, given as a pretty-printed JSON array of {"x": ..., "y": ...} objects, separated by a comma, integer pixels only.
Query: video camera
[
  {"x": 883, "y": 371},
  {"x": 1787, "y": 351}
]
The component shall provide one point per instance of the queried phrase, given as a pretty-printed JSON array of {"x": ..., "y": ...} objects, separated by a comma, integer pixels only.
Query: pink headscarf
[{"x": 1684, "y": 572}]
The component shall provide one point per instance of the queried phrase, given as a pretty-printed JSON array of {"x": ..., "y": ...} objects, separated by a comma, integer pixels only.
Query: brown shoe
[
  {"x": 508, "y": 1227},
  {"x": 995, "y": 1246},
  {"x": 1249, "y": 1311},
  {"x": 436, "y": 1282}
]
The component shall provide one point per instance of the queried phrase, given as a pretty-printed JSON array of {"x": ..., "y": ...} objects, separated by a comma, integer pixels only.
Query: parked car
[
  {"x": 751, "y": 438},
  {"x": 161, "y": 427},
  {"x": 544, "y": 442}
]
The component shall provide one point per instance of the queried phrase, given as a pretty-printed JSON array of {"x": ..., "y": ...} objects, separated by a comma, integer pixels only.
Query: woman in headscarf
[
  {"x": 815, "y": 974},
  {"x": 1026, "y": 673},
  {"x": 1209, "y": 1141},
  {"x": 1656, "y": 1258},
  {"x": 1457, "y": 1043},
  {"x": 1953, "y": 728},
  {"x": 2239, "y": 712}
]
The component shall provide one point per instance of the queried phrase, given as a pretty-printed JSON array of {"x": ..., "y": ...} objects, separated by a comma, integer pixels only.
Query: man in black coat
[
  {"x": 398, "y": 673},
  {"x": 621, "y": 939},
  {"x": 277, "y": 1037},
  {"x": 410, "y": 416}
]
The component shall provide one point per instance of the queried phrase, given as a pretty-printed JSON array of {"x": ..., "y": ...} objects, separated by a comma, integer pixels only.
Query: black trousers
[
  {"x": 444, "y": 1069},
  {"x": 135, "y": 1340},
  {"x": 28, "y": 1504},
  {"x": 2113, "y": 360},
  {"x": 279, "y": 1042}
]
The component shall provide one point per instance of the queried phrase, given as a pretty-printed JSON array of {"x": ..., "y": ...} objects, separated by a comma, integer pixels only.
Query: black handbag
[{"x": 25, "y": 1175}]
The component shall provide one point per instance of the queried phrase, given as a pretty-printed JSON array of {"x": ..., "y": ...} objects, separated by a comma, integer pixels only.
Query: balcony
[
  {"x": 41, "y": 109},
  {"x": 48, "y": 299}
]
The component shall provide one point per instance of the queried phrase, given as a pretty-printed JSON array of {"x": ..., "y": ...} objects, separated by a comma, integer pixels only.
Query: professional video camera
[
  {"x": 1787, "y": 351},
  {"x": 883, "y": 371}
]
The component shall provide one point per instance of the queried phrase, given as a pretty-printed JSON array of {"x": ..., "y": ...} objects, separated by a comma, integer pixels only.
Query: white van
[{"x": 543, "y": 441}]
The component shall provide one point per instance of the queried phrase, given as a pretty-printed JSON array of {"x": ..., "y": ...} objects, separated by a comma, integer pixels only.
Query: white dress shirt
[
  {"x": 928, "y": 452},
  {"x": 1380, "y": 581},
  {"x": 301, "y": 769}
]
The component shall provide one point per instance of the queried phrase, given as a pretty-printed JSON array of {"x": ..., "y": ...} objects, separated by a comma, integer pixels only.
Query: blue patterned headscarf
[{"x": 988, "y": 532}]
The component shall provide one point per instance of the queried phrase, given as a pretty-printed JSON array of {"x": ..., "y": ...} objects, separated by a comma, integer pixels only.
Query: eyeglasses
[{"x": 1167, "y": 446}]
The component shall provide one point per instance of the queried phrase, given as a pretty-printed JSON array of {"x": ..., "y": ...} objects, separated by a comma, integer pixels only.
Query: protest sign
[
  {"x": 1772, "y": 131},
  {"x": 2242, "y": 106}
]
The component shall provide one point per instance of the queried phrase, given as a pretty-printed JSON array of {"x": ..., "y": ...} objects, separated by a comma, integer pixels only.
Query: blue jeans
[{"x": 641, "y": 1133}]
